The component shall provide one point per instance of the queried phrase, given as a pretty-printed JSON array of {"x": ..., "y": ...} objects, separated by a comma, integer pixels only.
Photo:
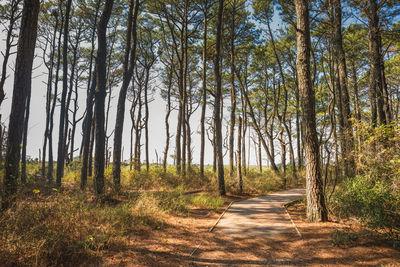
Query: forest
[{"x": 127, "y": 127}]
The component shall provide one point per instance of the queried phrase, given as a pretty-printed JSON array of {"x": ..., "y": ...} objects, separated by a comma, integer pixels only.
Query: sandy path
[
  {"x": 246, "y": 234},
  {"x": 260, "y": 216}
]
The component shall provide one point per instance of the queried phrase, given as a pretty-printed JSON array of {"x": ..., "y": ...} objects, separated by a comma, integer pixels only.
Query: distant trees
[{"x": 291, "y": 101}]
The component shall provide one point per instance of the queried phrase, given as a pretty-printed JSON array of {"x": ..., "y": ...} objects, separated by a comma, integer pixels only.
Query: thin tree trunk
[
  {"x": 238, "y": 157},
  {"x": 13, "y": 13},
  {"x": 61, "y": 138},
  {"x": 204, "y": 90},
  {"x": 146, "y": 119},
  {"x": 25, "y": 138},
  {"x": 167, "y": 133},
  {"x": 233, "y": 94},
  {"x": 49, "y": 97}
]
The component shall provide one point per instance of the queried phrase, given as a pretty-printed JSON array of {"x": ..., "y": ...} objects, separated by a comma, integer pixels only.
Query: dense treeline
[{"x": 297, "y": 79}]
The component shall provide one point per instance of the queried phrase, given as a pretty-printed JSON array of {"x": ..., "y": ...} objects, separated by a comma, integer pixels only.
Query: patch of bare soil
[
  {"x": 174, "y": 246},
  {"x": 169, "y": 246},
  {"x": 359, "y": 248}
]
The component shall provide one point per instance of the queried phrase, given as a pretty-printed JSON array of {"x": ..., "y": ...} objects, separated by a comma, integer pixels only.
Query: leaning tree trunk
[
  {"x": 98, "y": 179},
  {"x": 22, "y": 87},
  {"x": 316, "y": 209},
  {"x": 129, "y": 63}
]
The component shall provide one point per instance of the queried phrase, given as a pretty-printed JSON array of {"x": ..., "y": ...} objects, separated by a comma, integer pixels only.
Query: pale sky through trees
[{"x": 156, "y": 115}]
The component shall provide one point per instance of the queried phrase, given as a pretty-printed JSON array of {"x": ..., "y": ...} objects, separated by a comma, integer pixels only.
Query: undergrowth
[{"x": 49, "y": 227}]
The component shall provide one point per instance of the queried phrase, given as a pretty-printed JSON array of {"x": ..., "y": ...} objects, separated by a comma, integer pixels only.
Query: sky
[{"x": 157, "y": 110}]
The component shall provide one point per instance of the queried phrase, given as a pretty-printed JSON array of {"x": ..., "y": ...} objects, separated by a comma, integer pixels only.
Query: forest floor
[{"x": 186, "y": 241}]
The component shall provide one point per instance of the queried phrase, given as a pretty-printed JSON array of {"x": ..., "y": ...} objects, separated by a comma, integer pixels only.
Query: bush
[
  {"x": 374, "y": 195},
  {"x": 208, "y": 202},
  {"x": 373, "y": 201},
  {"x": 344, "y": 237}
]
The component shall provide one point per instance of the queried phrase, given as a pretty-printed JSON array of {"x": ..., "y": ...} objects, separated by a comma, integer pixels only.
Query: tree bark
[
  {"x": 343, "y": 90},
  {"x": 88, "y": 121},
  {"x": 129, "y": 64},
  {"x": 61, "y": 137},
  {"x": 217, "y": 104},
  {"x": 14, "y": 16},
  {"x": 167, "y": 131},
  {"x": 22, "y": 87},
  {"x": 316, "y": 209},
  {"x": 98, "y": 179},
  {"x": 233, "y": 92},
  {"x": 25, "y": 138},
  {"x": 377, "y": 92},
  {"x": 238, "y": 157},
  {"x": 204, "y": 90}
]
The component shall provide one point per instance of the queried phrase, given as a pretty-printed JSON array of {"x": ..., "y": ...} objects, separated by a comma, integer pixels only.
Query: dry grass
[{"x": 48, "y": 227}]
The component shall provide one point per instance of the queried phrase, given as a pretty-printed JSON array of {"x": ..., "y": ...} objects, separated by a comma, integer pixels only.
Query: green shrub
[
  {"x": 344, "y": 237},
  {"x": 208, "y": 202},
  {"x": 374, "y": 202}
]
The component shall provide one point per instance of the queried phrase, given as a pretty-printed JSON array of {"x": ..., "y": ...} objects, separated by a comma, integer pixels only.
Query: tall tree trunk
[
  {"x": 25, "y": 138},
  {"x": 203, "y": 90},
  {"x": 129, "y": 63},
  {"x": 74, "y": 120},
  {"x": 376, "y": 79},
  {"x": 49, "y": 96},
  {"x": 316, "y": 209},
  {"x": 167, "y": 133},
  {"x": 146, "y": 119},
  {"x": 61, "y": 138},
  {"x": 218, "y": 99},
  {"x": 343, "y": 90},
  {"x": 91, "y": 144},
  {"x": 88, "y": 121},
  {"x": 22, "y": 87},
  {"x": 13, "y": 13},
  {"x": 51, "y": 126},
  {"x": 238, "y": 157},
  {"x": 184, "y": 47},
  {"x": 244, "y": 130},
  {"x": 233, "y": 93},
  {"x": 98, "y": 179}
]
